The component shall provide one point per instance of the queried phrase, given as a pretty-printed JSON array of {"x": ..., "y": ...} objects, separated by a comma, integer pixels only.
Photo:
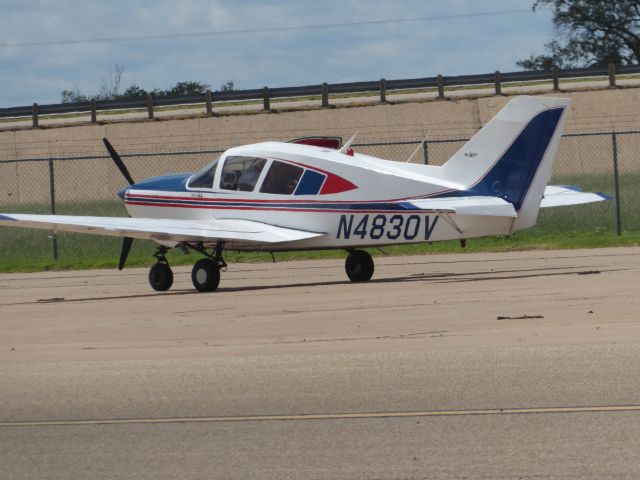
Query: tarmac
[{"x": 492, "y": 365}]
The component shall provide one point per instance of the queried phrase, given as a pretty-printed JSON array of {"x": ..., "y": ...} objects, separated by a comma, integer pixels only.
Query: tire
[
  {"x": 205, "y": 275},
  {"x": 359, "y": 266},
  {"x": 161, "y": 277}
]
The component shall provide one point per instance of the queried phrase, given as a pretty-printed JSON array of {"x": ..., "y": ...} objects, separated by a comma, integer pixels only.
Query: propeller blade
[
  {"x": 124, "y": 252},
  {"x": 118, "y": 161}
]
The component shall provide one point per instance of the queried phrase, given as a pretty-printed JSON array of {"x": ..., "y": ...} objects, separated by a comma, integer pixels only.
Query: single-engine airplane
[{"x": 318, "y": 194}]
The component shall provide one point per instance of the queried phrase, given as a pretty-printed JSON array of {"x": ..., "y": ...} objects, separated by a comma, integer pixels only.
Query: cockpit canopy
[{"x": 265, "y": 175}]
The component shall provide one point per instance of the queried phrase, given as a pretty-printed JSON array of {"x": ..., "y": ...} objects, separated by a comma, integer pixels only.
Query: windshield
[{"x": 204, "y": 178}]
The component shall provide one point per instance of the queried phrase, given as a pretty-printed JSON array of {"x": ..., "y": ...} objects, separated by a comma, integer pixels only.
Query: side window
[
  {"x": 282, "y": 178},
  {"x": 204, "y": 178},
  {"x": 241, "y": 173}
]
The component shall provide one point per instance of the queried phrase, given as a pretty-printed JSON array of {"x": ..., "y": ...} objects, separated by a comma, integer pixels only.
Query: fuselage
[{"x": 355, "y": 200}]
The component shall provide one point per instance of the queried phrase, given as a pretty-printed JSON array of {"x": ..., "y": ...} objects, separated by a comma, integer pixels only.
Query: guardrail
[{"x": 380, "y": 87}]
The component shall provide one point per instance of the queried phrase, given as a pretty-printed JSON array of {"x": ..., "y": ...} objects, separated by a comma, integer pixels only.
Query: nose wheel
[
  {"x": 161, "y": 276},
  {"x": 359, "y": 266}
]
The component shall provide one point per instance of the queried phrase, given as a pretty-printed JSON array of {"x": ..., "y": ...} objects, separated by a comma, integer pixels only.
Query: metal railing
[{"x": 266, "y": 94}]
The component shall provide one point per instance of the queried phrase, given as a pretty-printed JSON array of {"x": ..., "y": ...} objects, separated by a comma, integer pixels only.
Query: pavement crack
[{"x": 348, "y": 339}]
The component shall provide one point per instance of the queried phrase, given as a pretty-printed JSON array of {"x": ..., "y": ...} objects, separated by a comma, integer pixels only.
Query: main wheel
[
  {"x": 359, "y": 266},
  {"x": 161, "y": 277},
  {"x": 205, "y": 275}
]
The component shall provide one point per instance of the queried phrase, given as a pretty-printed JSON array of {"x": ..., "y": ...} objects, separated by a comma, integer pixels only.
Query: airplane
[{"x": 315, "y": 193}]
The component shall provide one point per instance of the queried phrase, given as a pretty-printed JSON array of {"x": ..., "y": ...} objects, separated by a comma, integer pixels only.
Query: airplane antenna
[
  {"x": 348, "y": 144},
  {"x": 416, "y": 150}
]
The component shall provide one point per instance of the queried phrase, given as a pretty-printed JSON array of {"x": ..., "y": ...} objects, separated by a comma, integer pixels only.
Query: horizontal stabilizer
[
  {"x": 164, "y": 230},
  {"x": 560, "y": 195},
  {"x": 480, "y": 206}
]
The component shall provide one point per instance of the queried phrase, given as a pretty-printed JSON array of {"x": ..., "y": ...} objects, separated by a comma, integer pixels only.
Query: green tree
[
  {"x": 227, "y": 86},
  {"x": 73, "y": 96},
  {"x": 183, "y": 88},
  {"x": 134, "y": 91},
  {"x": 590, "y": 33}
]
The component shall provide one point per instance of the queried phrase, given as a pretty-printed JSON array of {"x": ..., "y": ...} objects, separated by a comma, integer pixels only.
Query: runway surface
[{"x": 509, "y": 365}]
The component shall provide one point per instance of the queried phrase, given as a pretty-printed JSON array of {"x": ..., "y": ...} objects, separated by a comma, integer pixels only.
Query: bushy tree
[
  {"x": 226, "y": 86},
  {"x": 590, "y": 33},
  {"x": 134, "y": 91},
  {"x": 183, "y": 88},
  {"x": 110, "y": 89},
  {"x": 73, "y": 96}
]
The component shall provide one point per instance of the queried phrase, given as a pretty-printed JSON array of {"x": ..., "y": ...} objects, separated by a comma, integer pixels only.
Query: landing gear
[
  {"x": 206, "y": 272},
  {"x": 161, "y": 276},
  {"x": 359, "y": 266},
  {"x": 205, "y": 275}
]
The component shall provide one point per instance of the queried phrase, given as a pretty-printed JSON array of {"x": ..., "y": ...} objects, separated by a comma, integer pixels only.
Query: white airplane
[{"x": 275, "y": 196}]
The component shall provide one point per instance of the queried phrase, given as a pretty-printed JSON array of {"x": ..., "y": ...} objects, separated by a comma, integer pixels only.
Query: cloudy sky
[{"x": 351, "y": 40}]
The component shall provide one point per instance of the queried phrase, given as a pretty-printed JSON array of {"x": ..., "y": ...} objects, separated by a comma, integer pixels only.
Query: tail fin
[{"x": 511, "y": 157}]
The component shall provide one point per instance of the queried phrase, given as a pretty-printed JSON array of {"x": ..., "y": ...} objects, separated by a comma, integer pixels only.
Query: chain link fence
[{"x": 86, "y": 185}]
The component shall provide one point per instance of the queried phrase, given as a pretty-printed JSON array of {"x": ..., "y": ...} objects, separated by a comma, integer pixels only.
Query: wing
[
  {"x": 166, "y": 231},
  {"x": 482, "y": 206},
  {"x": 559, "y": 195}
]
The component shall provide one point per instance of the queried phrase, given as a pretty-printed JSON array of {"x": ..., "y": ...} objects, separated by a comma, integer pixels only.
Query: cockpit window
[
  {"x": 204, "y": 178},
  {"x": 282, "y": 178},
  {"x": 241, "y": 173}
]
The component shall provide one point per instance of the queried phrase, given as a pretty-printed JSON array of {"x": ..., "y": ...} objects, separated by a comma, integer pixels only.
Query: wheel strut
[{"x": 160, "y": 275}]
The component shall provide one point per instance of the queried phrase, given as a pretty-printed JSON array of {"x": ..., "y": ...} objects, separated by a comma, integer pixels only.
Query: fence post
[
  {"x": 207, "y": 101},
  {"x": 440, "y": 83},
  {"x": 325, "y": 94},
  {"x": 616, "y": 182},
  {"x": 383, "y": 90},
  {"x": 555, "y": 75},
  {"x": 150, "y": 105},
  {"x": 612, "y": 75},
  {"x": 94, "y": 111},
  {"x": 498, "y": 82},
  {"x": 266, "y": 101},
  {"x": 425, "y": 152},
  {"x": 52, "y": 200},
  {"x": 34, "y": 115}
]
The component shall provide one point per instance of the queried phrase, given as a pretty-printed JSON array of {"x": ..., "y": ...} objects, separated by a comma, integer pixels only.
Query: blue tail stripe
[{"x": 511, "y": 177}]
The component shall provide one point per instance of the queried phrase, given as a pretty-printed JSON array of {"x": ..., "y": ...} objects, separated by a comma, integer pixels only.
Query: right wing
[{"x": 233, "y": 232}]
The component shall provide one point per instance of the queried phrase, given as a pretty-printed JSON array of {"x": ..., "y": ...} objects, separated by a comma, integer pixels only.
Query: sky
[{"x": 262, "y": 45}]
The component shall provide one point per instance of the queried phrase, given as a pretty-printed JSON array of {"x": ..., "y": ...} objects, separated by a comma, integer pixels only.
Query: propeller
[
  {"x": 124, "y": 251},
  {"x": 118, "y": 161},
  {"x": 126, "y": 241}
]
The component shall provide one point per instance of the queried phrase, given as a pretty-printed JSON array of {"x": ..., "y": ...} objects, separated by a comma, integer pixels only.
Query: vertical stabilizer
[{"x": 511, "y": 157}]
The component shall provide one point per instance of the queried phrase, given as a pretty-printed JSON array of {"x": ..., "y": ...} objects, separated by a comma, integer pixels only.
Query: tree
[
  {"x": 590, "y": 33},
  {"x": 227, "y": 86},
  {"x": 183, "y": 88},
  {"x": 110, "y": 86},
  {"x": 73, "y": 96},
  {"x": 110, "y": 89},
  {"x": 134, "y": 91}
]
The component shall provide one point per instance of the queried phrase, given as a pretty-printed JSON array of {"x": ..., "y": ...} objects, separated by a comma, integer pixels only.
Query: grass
[{"x": 581, "y": 226}]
